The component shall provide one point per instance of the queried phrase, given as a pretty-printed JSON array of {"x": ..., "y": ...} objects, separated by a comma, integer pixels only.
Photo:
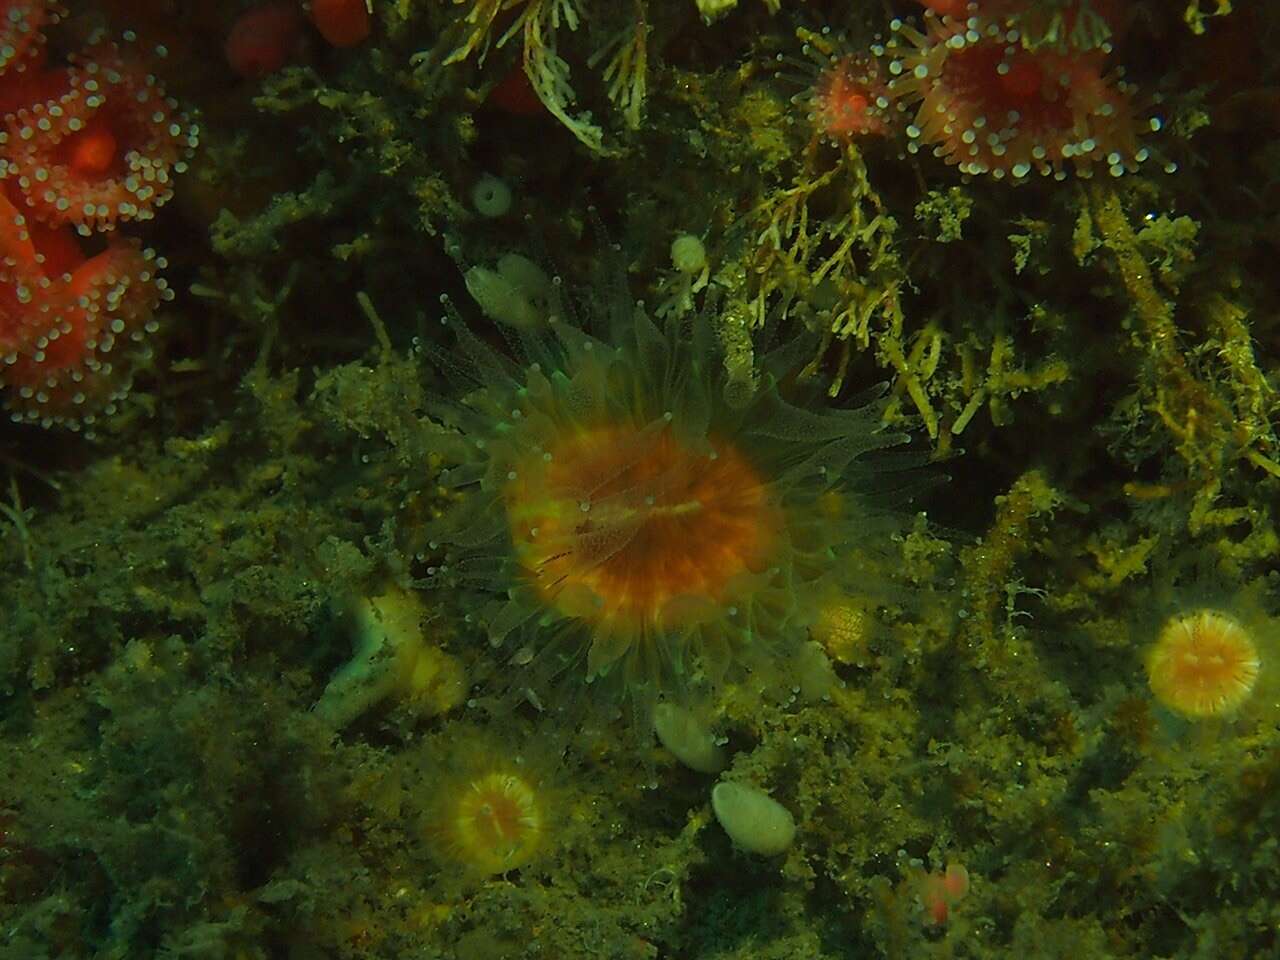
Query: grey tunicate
[
  {"x": 754, "y": 821},
  {"x": 687, "y": 738}
]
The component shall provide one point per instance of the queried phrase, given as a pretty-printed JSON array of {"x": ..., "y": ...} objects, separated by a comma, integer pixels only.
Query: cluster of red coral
[
  {"x": 83, "y": 147},
  {"x": 268, "y": 36},
  {"x": 988, "y": 103}
]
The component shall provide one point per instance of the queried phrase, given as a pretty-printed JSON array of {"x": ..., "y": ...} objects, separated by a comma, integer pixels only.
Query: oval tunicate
[
  {"x": 687, "y": 738},
  {"x": 754, "y": 821}
]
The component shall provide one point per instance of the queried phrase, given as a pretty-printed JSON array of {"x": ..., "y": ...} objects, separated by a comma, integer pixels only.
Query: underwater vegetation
[{"x": 648, "y": 479}]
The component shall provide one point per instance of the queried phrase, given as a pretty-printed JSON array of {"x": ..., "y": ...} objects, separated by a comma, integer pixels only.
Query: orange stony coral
[
  {"x": 487, "y": 805},
  {"x": 569, "y": 513},
  {"x": 497, "y": 823},
  {"x": 633, "y": 516}
]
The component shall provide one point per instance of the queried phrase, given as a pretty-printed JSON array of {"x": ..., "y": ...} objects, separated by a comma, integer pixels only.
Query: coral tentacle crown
[
  {"x": 992, "y": 107},
  {"x": 627, "y": 502},
  {"x": 621, "y": 522}
]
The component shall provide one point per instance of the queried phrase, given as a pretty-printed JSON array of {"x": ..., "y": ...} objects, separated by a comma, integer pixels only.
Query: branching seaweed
[
  {"x": 1210, "y": 427},
  {"x": 538, "y": 24}
]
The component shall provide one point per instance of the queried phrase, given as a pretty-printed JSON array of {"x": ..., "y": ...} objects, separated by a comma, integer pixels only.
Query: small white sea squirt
[
  {"x": 754, "y": 821},
  {"x": 687, "y": 738}
]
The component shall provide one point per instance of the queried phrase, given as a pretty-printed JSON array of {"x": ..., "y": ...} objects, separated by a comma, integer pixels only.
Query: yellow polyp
[
  {"x": 497, "y": 824},
  {"x": 429, "y": 916},
  {"x": 1203, "y": 664},
  {"x": 908, "y": 381},
  {"x": 1263, "y": 462},
  {"x": 843, "y": 627},
  {"x": 832, "y": 504},
  {"x": 1148, "y": 491},
  {"x": 434, "y": 682}
]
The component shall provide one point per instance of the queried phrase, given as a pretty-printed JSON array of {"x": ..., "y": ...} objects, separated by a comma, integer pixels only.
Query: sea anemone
[{"x": 632, "y": 515}]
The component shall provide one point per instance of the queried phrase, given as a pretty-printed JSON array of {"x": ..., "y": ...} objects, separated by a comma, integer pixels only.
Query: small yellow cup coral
[
  {"x": 1203, "y": 664},
  {"x": 497, "y": 823},
  {"x": 843, "y": 627},
  {"x": 489, "y": 800}
]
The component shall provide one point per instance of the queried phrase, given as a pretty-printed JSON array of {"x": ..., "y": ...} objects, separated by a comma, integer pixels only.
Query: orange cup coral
[
  {"x": 497, "y": 823},
  {"x": 624, "y": 497},
  {"x": 596, "y": 523}
]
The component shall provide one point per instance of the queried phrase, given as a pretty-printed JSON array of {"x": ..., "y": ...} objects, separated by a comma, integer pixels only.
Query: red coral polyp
[
  {"x": 84, "y": 363},
  {"x": 71, "y": 329},
  {"x": 104, "y": 149},
  {"x": 24, "y": 300},
  {"x": 850, "y": 99},
  {"x": 264, "y": 39},
  {"x": 950, "y": 8},
  {"x": 82, "y": 148},
  {"x": 22, "y": 24},
  {"x": 846, "y": 94},
  {"x": 344, "y": 23},
  {"x": 990, "y": 106}
]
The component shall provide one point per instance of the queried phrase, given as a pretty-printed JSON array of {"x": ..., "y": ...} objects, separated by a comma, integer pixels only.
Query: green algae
[{"x": 1096, "y": 363}]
